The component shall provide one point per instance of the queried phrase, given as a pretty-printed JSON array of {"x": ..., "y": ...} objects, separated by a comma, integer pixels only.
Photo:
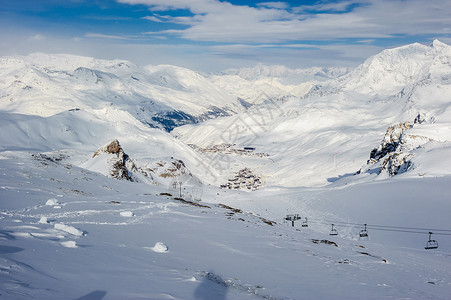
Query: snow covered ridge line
[
  {"x": 261, "y": 71},
  {"x": 327, "y": 135},
  {"x": 392, "y": 71},
  {"x": 160, "y": 96}
]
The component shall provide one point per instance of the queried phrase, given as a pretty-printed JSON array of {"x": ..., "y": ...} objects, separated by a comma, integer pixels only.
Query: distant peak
[{"x": 437, "y": 44}]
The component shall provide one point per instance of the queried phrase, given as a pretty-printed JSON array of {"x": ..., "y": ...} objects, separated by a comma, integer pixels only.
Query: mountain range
[{"x": 121, "y": 181}]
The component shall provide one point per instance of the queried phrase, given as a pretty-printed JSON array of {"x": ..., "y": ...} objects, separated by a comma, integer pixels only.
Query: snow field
[{"x": 231, "y": 253}]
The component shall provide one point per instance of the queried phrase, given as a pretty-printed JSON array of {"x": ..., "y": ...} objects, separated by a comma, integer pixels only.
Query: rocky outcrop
[
  {"x": 391, "y": 141},
  {"x": 119, "y": 161},
  {"x": 394, "y": 154},
  {"x": 171, "y": 169},
  {"x": 112, "y": 161},
  {"x": 396, "y": 163}
]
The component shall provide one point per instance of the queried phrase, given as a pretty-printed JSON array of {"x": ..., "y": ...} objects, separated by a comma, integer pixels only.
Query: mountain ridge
[
  {"x": 318, "y": 132},
  {"x": 49, "y": 84},
  {"x": 313, "y": 132}
]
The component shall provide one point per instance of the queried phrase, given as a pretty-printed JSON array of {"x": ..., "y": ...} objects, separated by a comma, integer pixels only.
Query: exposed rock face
[
  {"x": 120, "y": 162},
  {"x": 111, "y": 160},
  {"x": 391, "y": 141},
  {"x": 172, "y": 169},
  {"x": 114, "y": 148},
  {"x": 394, "y": 155},
  {"x": 396, "y": 163}
]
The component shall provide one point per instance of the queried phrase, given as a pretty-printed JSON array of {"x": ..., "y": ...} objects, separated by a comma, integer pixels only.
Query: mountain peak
[
  {"x": 439, "y": 45},
  {"x": 388, "y": 72}
]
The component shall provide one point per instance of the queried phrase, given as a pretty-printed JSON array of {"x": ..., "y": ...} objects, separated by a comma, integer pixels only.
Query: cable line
[
  {"x": 363, "y": 234},
  {"x": 395, "y": 227},
  {"x": 386, "y": 227}
]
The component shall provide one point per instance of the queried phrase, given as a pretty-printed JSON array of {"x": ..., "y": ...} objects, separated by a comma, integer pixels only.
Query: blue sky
[{"x": 212, "y": 35}]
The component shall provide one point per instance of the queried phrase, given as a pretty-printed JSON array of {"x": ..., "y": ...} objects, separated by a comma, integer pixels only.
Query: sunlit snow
[{"x": 72, "y": 228}]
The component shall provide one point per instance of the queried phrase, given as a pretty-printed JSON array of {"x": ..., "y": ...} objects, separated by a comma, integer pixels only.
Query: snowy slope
[
  {"x": 78, "y": 134},
  {"x": 69, "y": 233},
  {"x": 162, "y": 96}
]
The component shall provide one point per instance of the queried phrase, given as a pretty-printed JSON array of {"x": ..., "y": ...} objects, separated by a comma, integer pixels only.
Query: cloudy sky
[{"x": 212, "y": 35}]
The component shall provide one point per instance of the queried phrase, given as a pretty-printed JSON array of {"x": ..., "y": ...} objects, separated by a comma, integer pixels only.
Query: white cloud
[
  {"x": 278, "y": 5},
  {"x": 296, "y": 55},
  {"x": 37, "y": 37},
  {"x": 217, "y": 21},
  {"x": 153, "y": 19},
  {"x": 95, "y": 35},
  {"x": 367, "y": 41},
  {"x": 194, "y": 56},
  {"x": 340, "y": 6},
  {"x": 195, "y": 6},
  {"x": 105, "y": 36},
  {"x": 270, "y": 33}
]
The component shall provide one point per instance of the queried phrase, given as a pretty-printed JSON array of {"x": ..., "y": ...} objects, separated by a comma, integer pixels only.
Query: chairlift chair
[
  {"x": 304, "y": 224},
  {"x": 431, "y": 244},
  {"x": 363, "y": 233},
  {"x": 333, "y": 231}
]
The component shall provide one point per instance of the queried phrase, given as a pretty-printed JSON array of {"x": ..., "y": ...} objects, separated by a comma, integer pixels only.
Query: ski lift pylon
[
  {"x": 431, "y": 244},
  {"x": 292, "y": 218},
  {"x": 333, "y": 231}
]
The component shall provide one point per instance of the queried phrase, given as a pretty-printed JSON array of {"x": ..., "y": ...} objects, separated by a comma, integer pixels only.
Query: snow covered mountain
[
  {"x": 394, "y": 70},
  {"x": 328, "y": 133},
  {"x": 287, "y": 75},
  {"x": 97, "y": 204},
  {"x": 260, "y": 83},
  {"x": 160, "y": 96}
]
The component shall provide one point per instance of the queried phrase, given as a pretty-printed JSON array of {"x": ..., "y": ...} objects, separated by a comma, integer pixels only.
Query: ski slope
[{"x": 71, "y": 233}]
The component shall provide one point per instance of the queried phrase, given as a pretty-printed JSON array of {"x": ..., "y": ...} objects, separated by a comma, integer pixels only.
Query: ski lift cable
[
  {"x": 392, "y": 227},
  {"x": 387, "y": 228}
]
